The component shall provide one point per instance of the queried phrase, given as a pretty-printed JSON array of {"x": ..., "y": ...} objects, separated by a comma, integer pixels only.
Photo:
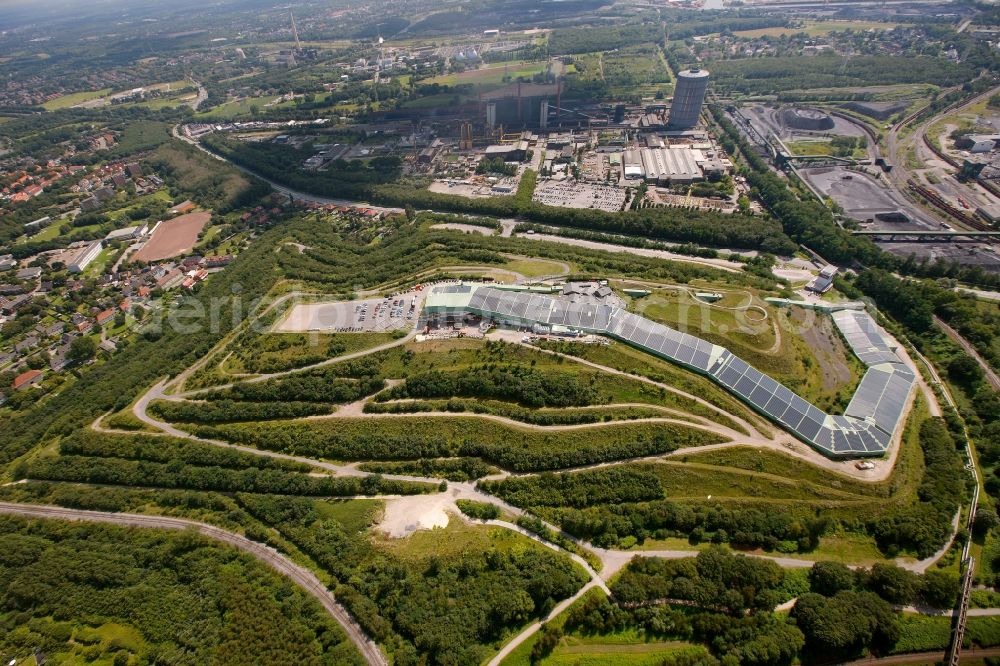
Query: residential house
[
  {"x": 26, "y": 344},
  {"x": 105, "y": 316},
  {"x": 58, "y": 360},
  {"x": 24, "y": 380},
  {"x": 30, "y": 273}
]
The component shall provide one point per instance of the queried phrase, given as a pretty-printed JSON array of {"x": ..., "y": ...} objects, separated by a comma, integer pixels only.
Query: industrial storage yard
[{"x": 879, "y": 208}]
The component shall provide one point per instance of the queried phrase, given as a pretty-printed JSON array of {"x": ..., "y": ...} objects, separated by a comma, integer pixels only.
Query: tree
[
  {"x": 894, "y": 584},
  {"x": 828, "y": 578},
  {"x": 986, "y": 519},
  {"x": 39, "y": 360},
  {"x": 82, "y": 349},
  {"x": 964, "y": 369},
  {"x": 845, "y": 624},
  {"x": 939, "y": 589}
]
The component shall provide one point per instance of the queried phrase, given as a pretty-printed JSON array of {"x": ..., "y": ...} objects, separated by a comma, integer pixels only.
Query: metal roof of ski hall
[{"x": 865, "y": 429}]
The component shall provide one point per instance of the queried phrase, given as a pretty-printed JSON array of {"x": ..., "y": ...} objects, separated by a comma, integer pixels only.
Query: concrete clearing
[{"x": 405, "y": 515}]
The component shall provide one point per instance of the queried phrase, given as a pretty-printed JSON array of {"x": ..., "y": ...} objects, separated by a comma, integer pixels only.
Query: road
[
  {"x": 297, "y": 574},
  {"x": 202, "y": 95},
  {"x": 991, "y": 376}
]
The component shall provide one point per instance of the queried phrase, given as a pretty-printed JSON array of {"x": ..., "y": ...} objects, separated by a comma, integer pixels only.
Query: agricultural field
[{"x": 173, "y": 237}]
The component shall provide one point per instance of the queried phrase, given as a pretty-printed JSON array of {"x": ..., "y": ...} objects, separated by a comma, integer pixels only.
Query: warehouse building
[
  {"x": 677, "y": 165},
  {"x": 513, "y": 152},
  {"x": 84, "y": 257}
]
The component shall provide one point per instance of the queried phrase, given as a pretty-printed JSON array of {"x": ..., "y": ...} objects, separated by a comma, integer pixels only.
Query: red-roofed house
[
  {"x": 29, "y": 378},
  {"x": 106, "y": 316}
]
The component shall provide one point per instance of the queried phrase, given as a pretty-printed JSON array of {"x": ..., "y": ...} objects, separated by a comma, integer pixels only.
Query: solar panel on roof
[
  {"x": 685, "y": 354},
  {"x": 776, "y": 406},
  {"x": 809, "y": 428},
  {"x": 745, "y": 386},
  {"x": 839, "y": 440},
  {"x": 880, "y": 398},
  {"x": 700, "y": 360},
  {"x": 760, "y": 395}
]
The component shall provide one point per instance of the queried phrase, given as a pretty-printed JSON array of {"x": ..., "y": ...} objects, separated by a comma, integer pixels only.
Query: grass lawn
[
  {"x": 354, "y": 515},
  {"x": 628, "y": 647},
  {"x": 456, "y": 539},
  {"x": 235, "y": 108},
  {"x": 535, "y": 268},
  {"x": 491, "y": 76},
  {"x": 46, "y": 234},
  {"x": 67, "y": 101},
  {"x": 576, "y": 650},
  {"x": 810, "y": 148},
  {"x": 100, "y": 263},
  {"x": 270, "y": 352}
]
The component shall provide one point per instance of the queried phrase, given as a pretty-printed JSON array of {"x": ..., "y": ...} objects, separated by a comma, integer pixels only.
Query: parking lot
[
  {"x": 579, "y": 195},
  {"x": 373, "y": 315}
]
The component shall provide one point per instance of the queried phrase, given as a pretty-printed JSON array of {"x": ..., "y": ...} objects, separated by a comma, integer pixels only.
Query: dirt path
[
  {"x": 284, "y": 566},
  {"x": 721, "y": 264},
  {"x": 330, "y": 361},
  {"x": 714, "y": 428}
]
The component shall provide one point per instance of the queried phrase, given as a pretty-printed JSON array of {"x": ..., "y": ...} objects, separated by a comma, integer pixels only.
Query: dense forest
[
  {"x": 726, "y": 602},
  {"x": 754, "y": 76},
  {"x": 448, "y": 605},
  {"x": 97, "y": 592},
  {"x": 524, "y": 385}
]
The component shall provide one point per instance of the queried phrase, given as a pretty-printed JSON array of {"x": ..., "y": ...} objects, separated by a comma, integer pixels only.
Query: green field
[
  {"x": 236, "y": 108},
  {"x": 535, "y": 268},
  {"x": 67, "y": 101},
  {"x": 817, "y": 28},
  {"x": 819, "y": 148},
  {"x": 273, "y": 352},
  {"x": 491, "y": 76}
]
